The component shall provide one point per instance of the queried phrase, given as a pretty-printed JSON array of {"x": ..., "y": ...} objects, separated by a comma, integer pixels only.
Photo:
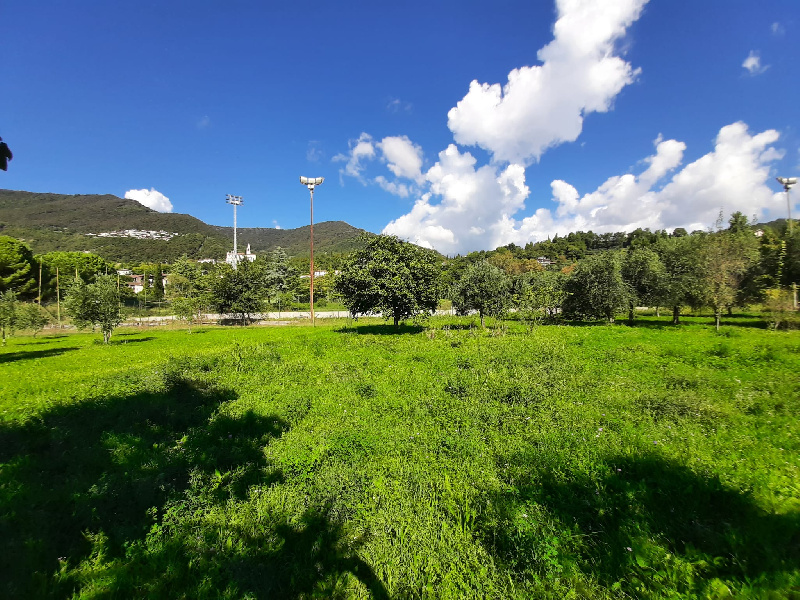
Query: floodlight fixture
[
  {"x": 235, "y": 200},
  {"x": 787, "y": 182},
  {"x": 311, "y": 183}
]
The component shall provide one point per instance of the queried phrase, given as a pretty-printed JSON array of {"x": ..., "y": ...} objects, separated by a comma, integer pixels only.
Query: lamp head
[
  {"x": 787, "y": 181},
  {"x": 235, "y": 200},
  {"x": 310, "y": 182}
]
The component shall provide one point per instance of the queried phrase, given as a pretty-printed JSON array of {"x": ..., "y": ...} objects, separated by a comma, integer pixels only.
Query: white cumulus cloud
[
  {"x": 361, "y": 150},
  {"x": 403, "y": 157},
  {"x": 478, "y": 206},
  {"x": 544, "y": 105},
  {"x": 752, "y": 64},
  {"x": 151, "y": 199}
]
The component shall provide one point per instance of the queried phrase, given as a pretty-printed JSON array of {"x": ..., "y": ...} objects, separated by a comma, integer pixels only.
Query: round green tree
[{"x": 392, "y": 277}]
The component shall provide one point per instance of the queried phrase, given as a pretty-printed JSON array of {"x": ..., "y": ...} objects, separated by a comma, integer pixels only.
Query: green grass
[{"x": 353, "y": 461}]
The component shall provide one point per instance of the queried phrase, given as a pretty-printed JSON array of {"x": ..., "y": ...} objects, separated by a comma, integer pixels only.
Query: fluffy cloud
[
  {"x": 478, "y": 205},
  {"x": 474, "y": 203},
  {"x": 752, "y": 64},
  {"x": 403, "y": 157},
  {"x": 151, "y": 199},
  {"x": 543, "y": 106},
  {"x": 361, "y": 150},
  {"x": 777, "y": 29}
]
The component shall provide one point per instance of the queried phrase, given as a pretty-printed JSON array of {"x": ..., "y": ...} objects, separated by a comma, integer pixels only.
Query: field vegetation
[{"x": 442, "y": 460}]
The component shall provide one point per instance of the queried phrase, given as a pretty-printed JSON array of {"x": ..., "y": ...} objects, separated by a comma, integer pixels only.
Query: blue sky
[{"x": 618, "y": 114}]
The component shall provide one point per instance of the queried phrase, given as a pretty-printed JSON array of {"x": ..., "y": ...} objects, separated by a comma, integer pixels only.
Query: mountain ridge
[{"x": 48, "y": 222}]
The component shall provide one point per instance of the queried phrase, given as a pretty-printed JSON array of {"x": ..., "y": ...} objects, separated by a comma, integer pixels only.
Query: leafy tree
[
  {"x": 8, "y": 312},
  {"x": 483, "y": 287},
  {"x": 540, "y": 295},
  {"x": 95, "y": 304},
  {"x": 282, "y": 280},
  {"x": 683, "y": 272},
  {"x": 18, "y": 270},
  {"x": 158, "y": 283},
  {"x": 241, "y": 292},
  {"x": 390, "y": 276},
  {"x": 645, "y": 275},
  {"x": 32, "y": 316},
  {"x": 184, "y": 289},
  {"x": 726, "y": 256},
  {"x": 596, "y": 288},
  {"x": 87, "y": 265}
]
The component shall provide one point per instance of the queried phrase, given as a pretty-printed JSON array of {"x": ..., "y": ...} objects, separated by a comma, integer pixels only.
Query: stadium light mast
[
  {"x": 235, "y": 201},
  {"x": 311, "y": 183},
  {"x": 788, "y": 182}
]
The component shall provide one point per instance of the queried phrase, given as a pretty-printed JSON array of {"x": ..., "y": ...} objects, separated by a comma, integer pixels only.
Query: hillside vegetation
[
  {"x": 59, "y": 222},
  {"x": 346, "y": 461}
]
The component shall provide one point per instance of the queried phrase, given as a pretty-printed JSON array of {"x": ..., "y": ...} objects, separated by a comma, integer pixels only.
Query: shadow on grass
[
  {"x": 131, "y": 341},
  {"x": 388, "y": 329},
  {"x": 626, "y": 526},
  {"x": 14, "y": 356},
  {"x": 112, "y": 498}
]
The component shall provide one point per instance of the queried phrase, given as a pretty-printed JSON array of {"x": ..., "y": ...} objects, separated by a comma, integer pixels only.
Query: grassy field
[{"x": 353, "y": 461}]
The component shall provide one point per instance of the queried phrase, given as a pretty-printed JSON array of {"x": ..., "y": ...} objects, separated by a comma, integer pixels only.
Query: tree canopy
[
  {"x": 18, "y": 270},
  {"x": 392, "y": 277}
]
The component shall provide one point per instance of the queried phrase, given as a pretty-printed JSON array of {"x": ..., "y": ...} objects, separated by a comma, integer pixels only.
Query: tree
[
  {"x": 95, "y": 304},
  {"x": 596, "y": 288},
  {"x": 18, "y": 269},
  {"x": 8, "y": 312},
  {"x": 726, "y": 256},
  {"x": 390, "y": 276},
  {"x": 683, "y": 272},
  {"x": 32, "y": 316},
  {"x": 645, "y": 275},
  {"x": 540, "y": 295},
  {"x": 184, "y": 290},
  {"x": 241, "y": 292},
  {"x": 483, "y": 287}
]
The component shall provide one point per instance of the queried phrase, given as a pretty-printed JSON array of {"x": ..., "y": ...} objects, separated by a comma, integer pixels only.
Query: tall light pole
[
  {"x": 788, "y": 182},
  {"x": 235, "y": 201},
  {"x": 311, "y": 183}
]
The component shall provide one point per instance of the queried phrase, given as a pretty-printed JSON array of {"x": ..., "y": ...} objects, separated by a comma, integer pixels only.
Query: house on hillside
[
  {"x": 136, "y": 282},
  {"x": 544, "y": 261}
]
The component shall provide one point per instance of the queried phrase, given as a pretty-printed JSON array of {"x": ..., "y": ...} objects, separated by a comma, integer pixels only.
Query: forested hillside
[{"x": 60, "y": 222}]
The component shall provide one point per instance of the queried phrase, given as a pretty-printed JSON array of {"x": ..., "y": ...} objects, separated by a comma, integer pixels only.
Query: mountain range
[{"x": 48, "y": 222}]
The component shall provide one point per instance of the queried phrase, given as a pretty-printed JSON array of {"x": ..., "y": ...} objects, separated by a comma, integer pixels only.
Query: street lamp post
[
  {"x": 788, "y": 182},
  {"x": 235, "y": 201},
  {"x": 311, "y": 183}
]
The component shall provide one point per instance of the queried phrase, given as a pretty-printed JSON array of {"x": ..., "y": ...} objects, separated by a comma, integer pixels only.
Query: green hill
[{"x": 48, "y": 222}]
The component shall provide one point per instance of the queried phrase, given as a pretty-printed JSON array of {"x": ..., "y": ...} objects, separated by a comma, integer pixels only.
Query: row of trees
[{"x": 720, "y": 269}]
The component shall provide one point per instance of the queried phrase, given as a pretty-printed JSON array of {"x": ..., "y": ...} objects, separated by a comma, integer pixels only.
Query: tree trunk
[
  {"x": 106, "y": 336},
  {"x": 4, "y": 336},
  {"x": 730, "y": 311},
  {"x": 483, "y": 324},
  {"x": 396, "y": 322},
  {"x": 676, "y": 315},
  {"x": 631, "y": 314},
  {"x": 717, "y": 314},
  {"x": 658, "y": 311}
]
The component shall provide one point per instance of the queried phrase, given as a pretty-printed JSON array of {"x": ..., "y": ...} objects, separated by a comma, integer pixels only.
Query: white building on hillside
[{"x": 231, "y": 258}]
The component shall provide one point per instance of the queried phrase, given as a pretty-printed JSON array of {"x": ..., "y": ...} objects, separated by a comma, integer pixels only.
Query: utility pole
[
  {"x": 311, "y": 183},
  {"x": 235, "y": 201}
]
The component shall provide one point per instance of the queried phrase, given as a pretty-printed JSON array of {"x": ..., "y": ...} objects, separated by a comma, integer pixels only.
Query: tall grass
[{"x": 350, "y": 460}]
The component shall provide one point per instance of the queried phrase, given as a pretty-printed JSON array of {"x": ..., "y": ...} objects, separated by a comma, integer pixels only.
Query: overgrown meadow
[{"x": 441, "y": 461}]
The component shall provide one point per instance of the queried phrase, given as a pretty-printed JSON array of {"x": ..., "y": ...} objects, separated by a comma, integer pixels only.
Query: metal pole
[
  {"x": 312, "y": 256},
  {"x": 788, "y": 208},
  {"x": 235, "y": 253}
]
